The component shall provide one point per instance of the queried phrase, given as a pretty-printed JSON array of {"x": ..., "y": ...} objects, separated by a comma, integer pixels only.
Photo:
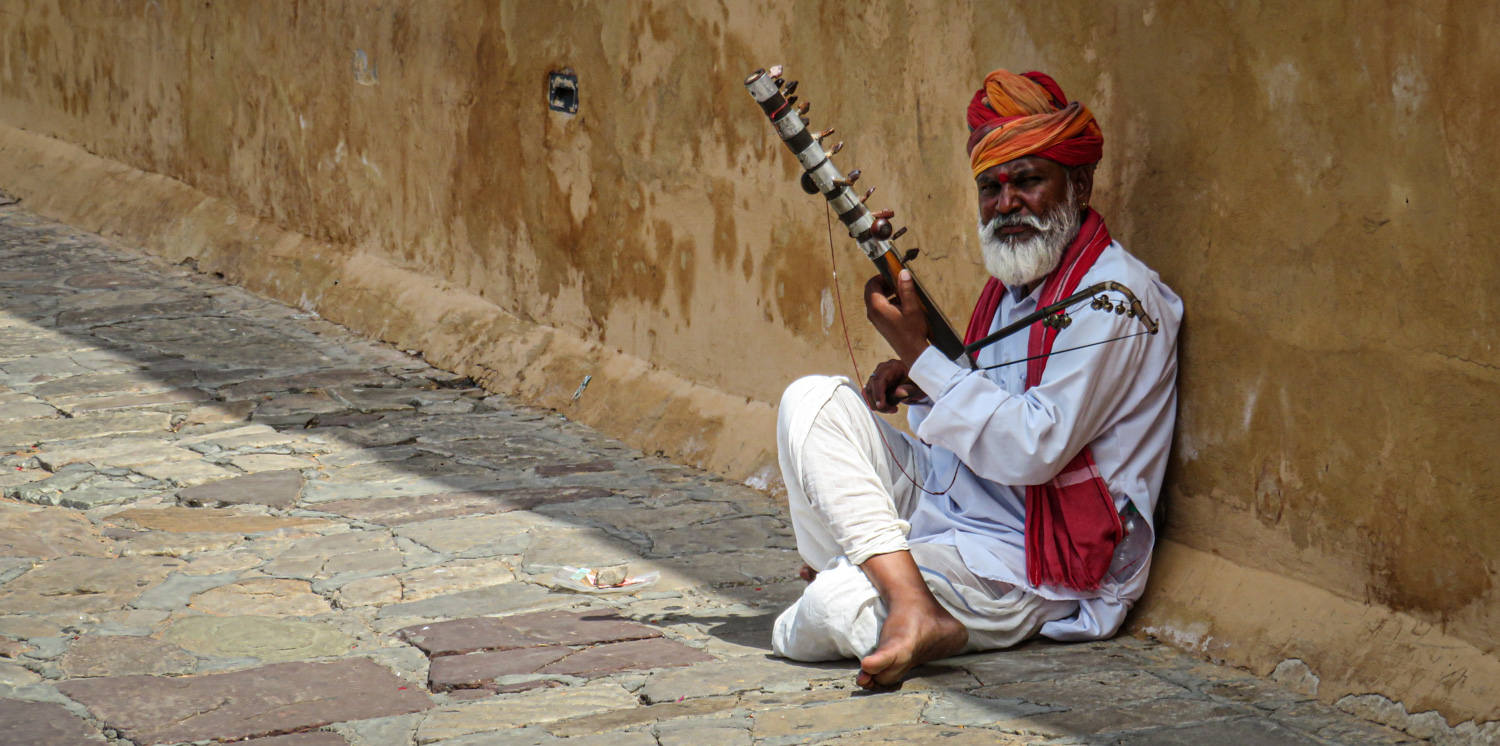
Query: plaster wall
[{"x": 1314, "y": 179}]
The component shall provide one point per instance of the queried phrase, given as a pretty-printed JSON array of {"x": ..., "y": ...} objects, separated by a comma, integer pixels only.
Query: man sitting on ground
[{"x": 1024, "y": 504}]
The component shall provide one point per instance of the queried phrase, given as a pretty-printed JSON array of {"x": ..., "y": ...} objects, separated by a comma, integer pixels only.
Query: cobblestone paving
[{"x": 226, "y": 519}]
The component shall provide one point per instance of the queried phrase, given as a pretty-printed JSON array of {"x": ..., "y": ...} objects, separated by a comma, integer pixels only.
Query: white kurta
[{"x": 1118, "y": 398}]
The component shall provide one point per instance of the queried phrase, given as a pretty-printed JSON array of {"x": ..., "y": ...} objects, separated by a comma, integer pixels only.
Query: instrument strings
[{"x": 854, "y": 362}]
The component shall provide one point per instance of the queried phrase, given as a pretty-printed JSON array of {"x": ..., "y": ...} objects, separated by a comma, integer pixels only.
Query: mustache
[{"x": 1018, "y": 219}]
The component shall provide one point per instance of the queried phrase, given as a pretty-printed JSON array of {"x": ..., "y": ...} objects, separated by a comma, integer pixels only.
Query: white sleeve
[{"x": 1027, "y": 439}]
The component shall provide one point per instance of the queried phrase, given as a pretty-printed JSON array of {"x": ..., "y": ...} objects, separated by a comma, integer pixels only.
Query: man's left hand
[{"x": 901, "y": 322}]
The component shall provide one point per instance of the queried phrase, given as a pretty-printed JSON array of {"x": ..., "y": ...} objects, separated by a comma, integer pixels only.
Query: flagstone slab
[
  {"x": 1251, "y": 732},
  {"x": 84, "y": 584},
  {"x": 584, "y": 547},
  {"x": 634, "y": 518},
  {"x": 126, "y": 452},
  {"x": 1118, "y": 688},
  {"x": 497, "y": 599},
  {"x": 1044, "y": 660},
  {"x": 214, "y": 562},
  {"x": 587, "y": 627},
  {"x": 608, "y": 721},
  {"x": 562, "y": 470},
  {"x": 376, "y": 591},
  {"x": 262, "y": 597},
  {"x": 273, "y": 489},
  {"x": 454, "y": 576},
  {"x": 43, "y": 724},
  {"x": 314, "y": 738},
  {"x": 300, "y": 381},
  {"x": 100, "y": 384},
  {"x": 333, "y": 563},
  {"x": 398, "y": 511},
  {"x": 636, "y": 655},
  {"x": 109, "y": 280},
  {"x": 252, "y": 463},
  {"x": 267, "y": 436},
  {"x": 26, "y": 410},
  {"x": 848, "y": 714},
  {"x": 462, "y": 535},
  {"x": 735, "y": 533},
  {"x": 905, "y": 735},
  {"x": 479, "y": 670},
  {"x": 47, "y": 533},
  {"x": 131, "y": 544},
  {"x": 266, "y": 638},
  {"x": 174, "y": 396},
  {"x": 530, "y": 708},
  {"x": 265, "y": 701},
  {"x": 186, "y": 473},
  {"x": 737, "y": 675},
  {"x": 125, "y": 656},
  {"x": 208, "y": 520},
  {"x": 28, "y": 432},
  {"x": 723, "y": 569}
]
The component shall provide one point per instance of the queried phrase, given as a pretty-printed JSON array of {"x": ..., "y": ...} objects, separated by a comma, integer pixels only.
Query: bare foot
[
  {"x": 913, "y": 634},
  {"x": 807, "y": 573}
]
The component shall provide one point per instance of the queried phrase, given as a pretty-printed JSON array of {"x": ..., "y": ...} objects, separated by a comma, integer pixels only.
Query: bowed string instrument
[{"x": 876, "y": 235}]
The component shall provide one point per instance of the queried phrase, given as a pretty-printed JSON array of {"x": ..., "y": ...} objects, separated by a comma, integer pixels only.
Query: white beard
[{"x": 1019, "y": 262}]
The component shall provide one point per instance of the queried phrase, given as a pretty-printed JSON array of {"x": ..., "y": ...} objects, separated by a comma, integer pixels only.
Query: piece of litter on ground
[{"x": 586, "y": 580}]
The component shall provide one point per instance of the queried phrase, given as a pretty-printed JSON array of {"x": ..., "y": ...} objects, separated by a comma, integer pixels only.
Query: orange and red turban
[{"x": 1014, "y": 116}]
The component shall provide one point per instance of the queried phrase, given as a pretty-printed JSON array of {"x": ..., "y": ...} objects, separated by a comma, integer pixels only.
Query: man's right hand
[{"x": 889, "y": 386}]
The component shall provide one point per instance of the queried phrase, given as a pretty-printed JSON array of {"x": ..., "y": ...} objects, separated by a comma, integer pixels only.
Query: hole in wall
[{"x": 562, "y": 91}]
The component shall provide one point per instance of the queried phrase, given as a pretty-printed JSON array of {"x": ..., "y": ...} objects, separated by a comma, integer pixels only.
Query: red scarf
[{"x": 1072, "y": 526}]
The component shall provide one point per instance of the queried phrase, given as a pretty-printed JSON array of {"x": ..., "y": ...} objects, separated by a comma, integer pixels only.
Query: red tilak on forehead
[{"x": 1003, "y": 178}]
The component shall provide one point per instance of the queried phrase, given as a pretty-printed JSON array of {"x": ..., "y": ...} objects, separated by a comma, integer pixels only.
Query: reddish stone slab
[
  {"x": 274, "y": 489},
  {"x": 562, "y": 470},
  {"x": 636, "y": 655},
  {"x": 43, "y": 724},
  {"x": 523, "y": 631},
  {"x": 479, "y": 670},
  {"x": 396, "y": 511},
  {"x": 266, "y": 701}
]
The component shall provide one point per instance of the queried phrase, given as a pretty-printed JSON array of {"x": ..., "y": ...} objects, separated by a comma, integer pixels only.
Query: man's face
[
  {"x": 1029, "y": 211},
  {"x": 1032, "y": 185}
]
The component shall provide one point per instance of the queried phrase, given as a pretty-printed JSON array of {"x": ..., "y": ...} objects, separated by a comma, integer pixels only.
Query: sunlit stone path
[{"x": 226, "y": 519}]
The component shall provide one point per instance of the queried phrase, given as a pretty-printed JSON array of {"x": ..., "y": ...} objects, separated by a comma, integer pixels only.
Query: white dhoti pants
[{"x": 849, "y": 501}]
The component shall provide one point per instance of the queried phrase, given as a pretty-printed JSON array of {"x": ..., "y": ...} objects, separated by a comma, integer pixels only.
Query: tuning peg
[
  {"x": 899, "y": 234},
  {"x": 868, "y": 192},
  {"x": 804, "y": 107},
  {"x": 775, "y": 71},
  {"x": 884, "y": 215},
  {"x": 836, "y": 148},
  {"x": 854, "y": 176},
  {"x": 910, "y": 253},
  {"x": 841, "y": 183},
  {"x": 881, "y": 228},
  {"x": 806, "y": 120},
  {"x": 790, "y": 88},
  {"x": 791, "y": 100},
  {"x": 819, "y": 137}
]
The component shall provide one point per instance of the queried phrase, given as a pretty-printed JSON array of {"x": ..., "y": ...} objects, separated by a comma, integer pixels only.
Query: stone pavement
[{"x": 225, "y": 519}]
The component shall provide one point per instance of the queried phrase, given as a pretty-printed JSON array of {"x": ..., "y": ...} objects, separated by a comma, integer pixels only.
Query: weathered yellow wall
[{"x": 1316, "y": 181}]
